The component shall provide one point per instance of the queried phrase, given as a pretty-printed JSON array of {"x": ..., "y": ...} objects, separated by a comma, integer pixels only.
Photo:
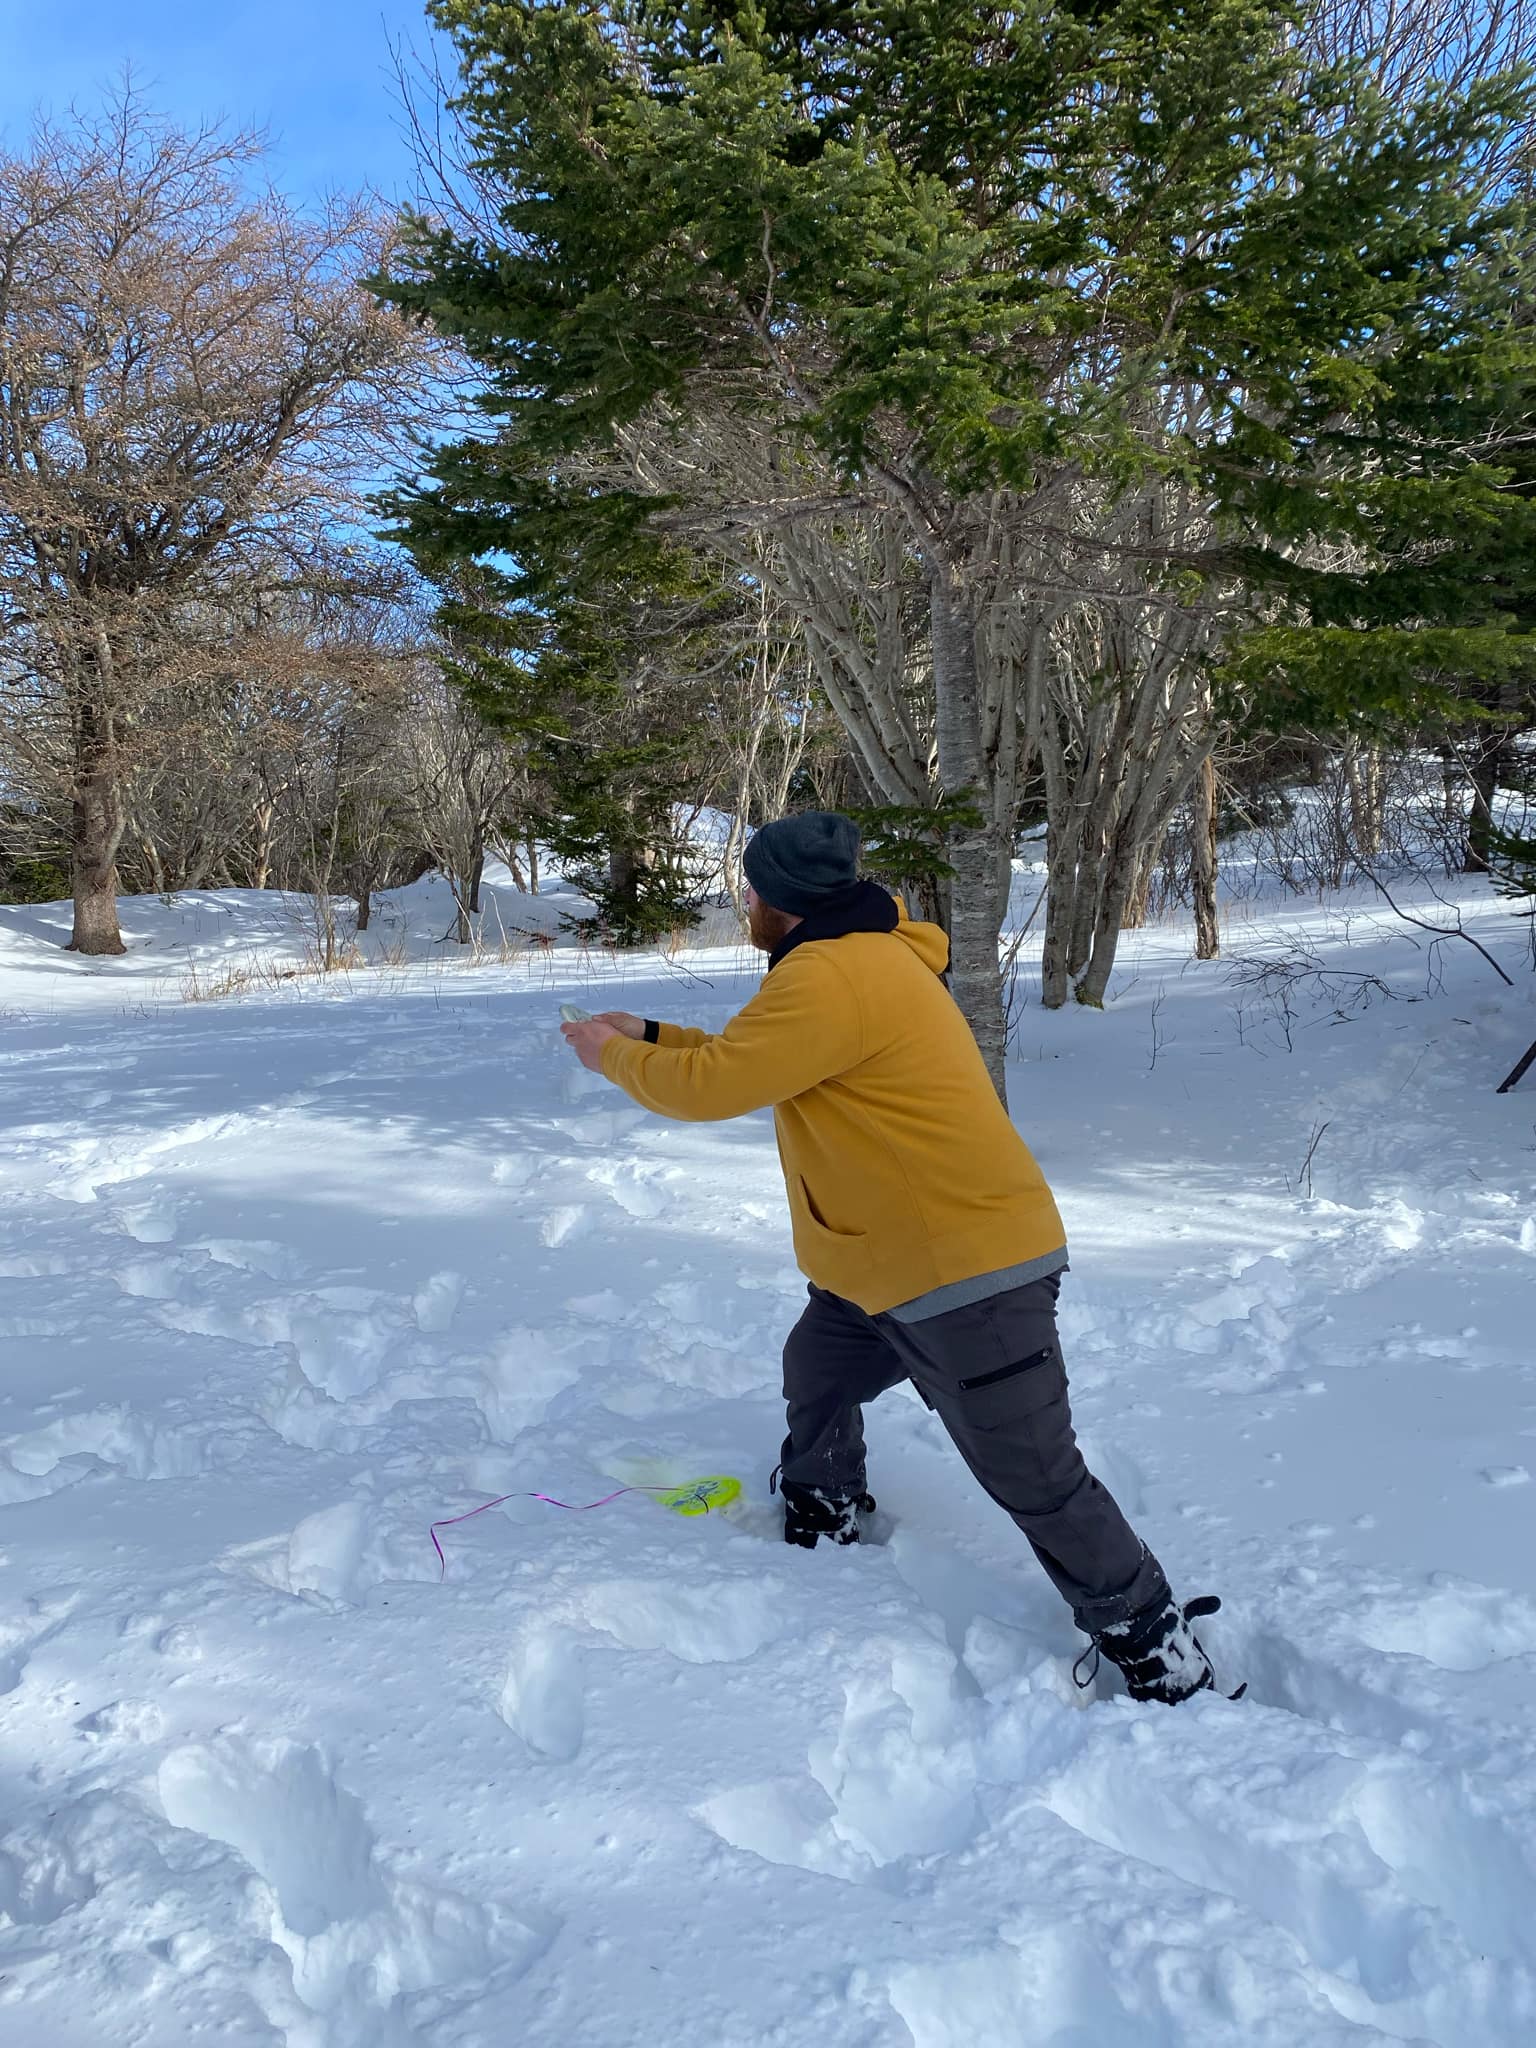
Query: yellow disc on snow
[{"x": 700, "y": 1496}]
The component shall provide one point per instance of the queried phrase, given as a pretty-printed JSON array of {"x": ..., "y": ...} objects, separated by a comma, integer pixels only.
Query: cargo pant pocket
[{"x": 1009, "y": 1393}]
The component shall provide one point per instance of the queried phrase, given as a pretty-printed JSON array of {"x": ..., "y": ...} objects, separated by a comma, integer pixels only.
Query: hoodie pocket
[{"x": 838, "y": 1252}]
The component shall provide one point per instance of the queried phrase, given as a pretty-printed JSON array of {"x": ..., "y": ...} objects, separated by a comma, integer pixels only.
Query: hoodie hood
[
  {"x": 866, "y": 907},
  {"x": 930, "y": 942}
]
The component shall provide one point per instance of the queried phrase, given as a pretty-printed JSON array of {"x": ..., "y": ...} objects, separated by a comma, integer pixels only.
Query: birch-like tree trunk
[
  {"x": 1202, "y": 847},
  {"x": 1121, "y": 727},
  {"x": 979, "y": 854},
  {"x": 1365, "y": 776},
  {"x": 1141, "y": 889}
]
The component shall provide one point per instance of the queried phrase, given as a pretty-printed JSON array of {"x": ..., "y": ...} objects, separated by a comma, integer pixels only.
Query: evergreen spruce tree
[
  {"x": 984, "y": 269},
  {"x": 609, "y": 736}
]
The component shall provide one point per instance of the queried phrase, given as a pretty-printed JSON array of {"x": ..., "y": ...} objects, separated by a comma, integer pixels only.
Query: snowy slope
[{"x": 290, "y": 1277}]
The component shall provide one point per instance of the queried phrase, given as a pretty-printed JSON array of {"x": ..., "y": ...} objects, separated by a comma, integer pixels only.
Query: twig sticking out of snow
[{"x": 1304, "y": 1178}]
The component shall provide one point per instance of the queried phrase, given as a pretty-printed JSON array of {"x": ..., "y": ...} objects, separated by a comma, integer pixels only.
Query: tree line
[
  {"x": 1082, "y": 418},
  {"x": 215, "y": 671},
  {"x": 1079, "y": 383}
]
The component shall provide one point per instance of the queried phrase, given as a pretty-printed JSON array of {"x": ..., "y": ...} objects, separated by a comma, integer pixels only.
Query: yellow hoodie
[{"x": 904, "y": 1173}]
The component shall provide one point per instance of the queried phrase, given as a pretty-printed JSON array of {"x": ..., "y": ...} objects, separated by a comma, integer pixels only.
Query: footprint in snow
[
  {"x": 1402, "y": 1884},
  {"x": 1456, "y": 1624},
  {"x": 637, "y": 1188},
  {"x": 180, "y": 1641},
  {"x": 898, "y": 1778},
  {"x": 135, "y": 1722},
  {"x": 46, "y": 1867},
  {"x": 258, "y": 1255},
  {"x": 342, "y": 1338},
  {"x": 789, "y": 1821},
  {"x": 542, "y": 1698},
  {"x": 901, "y": 1770},
  {"x": 606, "y": 1307},
  {"x": 322, "y": 1557},
  {"x": 603, "y": 1128},
  {"x": 154, "y": 1279},
  {"x": 42, "y": 1461},
  {"x": 523, "y": 1372},
  {"x": 151, "y": 1222},
  {"x": 721, "y": 1621},
  {"x": 563, "y": 1225},
  {"x": 436, "y": 1301},
  {"x": 19, "y": 1643},
  {"x": 277, "y": 1807}
]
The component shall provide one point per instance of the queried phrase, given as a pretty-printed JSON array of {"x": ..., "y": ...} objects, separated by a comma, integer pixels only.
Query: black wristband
[{"x": 652, "y": 1032}]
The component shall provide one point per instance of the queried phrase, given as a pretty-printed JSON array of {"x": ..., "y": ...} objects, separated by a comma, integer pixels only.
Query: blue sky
[{"x": 315, "y": 73}]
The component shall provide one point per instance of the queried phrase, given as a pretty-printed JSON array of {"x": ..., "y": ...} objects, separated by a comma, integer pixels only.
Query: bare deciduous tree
[
  {"x": 1408, "y": 44},
  {"x": 193, "y": 391},
  {"x": 466, "y": 775},
  {"x": 777, "y": 716}
]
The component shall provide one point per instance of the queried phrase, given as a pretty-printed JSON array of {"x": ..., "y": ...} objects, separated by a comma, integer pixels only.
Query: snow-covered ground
[{"x": 291, "y": 1275}]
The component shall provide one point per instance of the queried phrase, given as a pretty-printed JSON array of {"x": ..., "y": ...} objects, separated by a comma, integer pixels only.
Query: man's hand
[
  {"x": 622, "y": 1022},
  {"x": 587, "y": 1040}
]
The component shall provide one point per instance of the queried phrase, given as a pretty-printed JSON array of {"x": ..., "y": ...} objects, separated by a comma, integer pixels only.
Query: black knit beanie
[{"x": 797, "y": 864}]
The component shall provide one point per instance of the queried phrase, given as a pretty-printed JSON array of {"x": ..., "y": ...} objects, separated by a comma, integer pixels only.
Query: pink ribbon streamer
[{"x": 575, "y": 1507}]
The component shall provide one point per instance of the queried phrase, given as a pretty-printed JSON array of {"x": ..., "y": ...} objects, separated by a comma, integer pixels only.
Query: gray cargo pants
[{"x": 993, "y": 1374}]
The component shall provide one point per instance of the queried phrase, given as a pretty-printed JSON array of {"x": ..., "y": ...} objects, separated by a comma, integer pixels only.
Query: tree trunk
[
  {"x": 1062, "y": 846},
  {"x": 98, "y": 821},
  {"x": 978, "y": 890},
  {"x": 323, "y": 920},
  {"x": 739, "y": 830},
  {"x": 364, "y": 903},
  {"x": 1119, "y": 880},
  {"x": 927, "y": 899},
  {"x": 1363, "y": 770},
  {"x": 261, "y": 871},
  {"x": 1134, "y": 916},
  {"x": 1485, "y": 768},
  {"x": 1203, "y": 861},
  {"x": 1148, "y": 760},
  {"x": 476, "y": 877},
  {"x": 154, "y": 867},
  {"x": 533, "y": 866},
  {"x": 1108, "y": 856},
  {"x": 730, "y": 859},
  {"x": 731, "y": 870},
  {"x": 624, "y": 866},
  {"x": 1087, "y": 896}
]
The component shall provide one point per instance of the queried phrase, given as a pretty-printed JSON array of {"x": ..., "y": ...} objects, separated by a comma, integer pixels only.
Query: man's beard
[{"x": 767, "y": 926}]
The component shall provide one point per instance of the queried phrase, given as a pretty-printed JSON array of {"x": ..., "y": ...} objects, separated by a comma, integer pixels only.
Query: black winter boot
[
  {"x": 1158, "y": 1652},
  {"x": 810, "y": 1514}
]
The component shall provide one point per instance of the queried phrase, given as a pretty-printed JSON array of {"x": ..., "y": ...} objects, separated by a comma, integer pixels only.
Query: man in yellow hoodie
[{"x": 933, "y": 1247}]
